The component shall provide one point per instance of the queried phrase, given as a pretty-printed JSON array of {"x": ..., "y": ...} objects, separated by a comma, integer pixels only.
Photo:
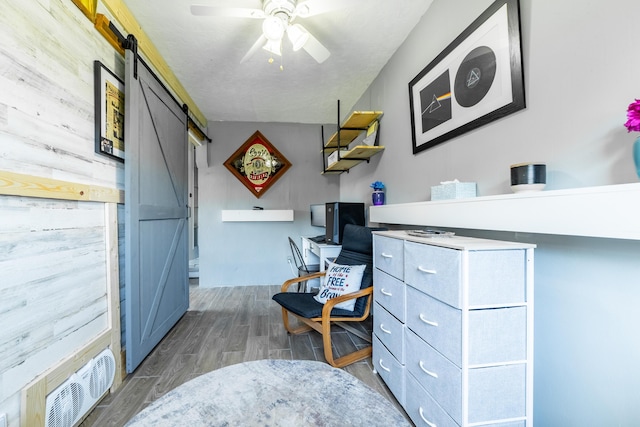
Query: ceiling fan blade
[
  {"x": 257, "y": 45},
  {"x": 307, "y": 8},
  {"x": 316, "y": 49},
  {"x": 232, "y": 12}
]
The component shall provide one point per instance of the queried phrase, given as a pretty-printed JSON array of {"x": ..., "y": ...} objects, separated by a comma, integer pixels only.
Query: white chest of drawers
[{"x": 453, "y": 328}]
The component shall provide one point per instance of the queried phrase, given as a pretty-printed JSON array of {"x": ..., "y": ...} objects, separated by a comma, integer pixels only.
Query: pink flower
[{"x": 633, "y": 116}]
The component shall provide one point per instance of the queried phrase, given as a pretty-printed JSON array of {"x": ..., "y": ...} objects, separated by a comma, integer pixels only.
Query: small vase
[
  {"x": 636, "y": 155},
  {"x": 377, "y": 197}
]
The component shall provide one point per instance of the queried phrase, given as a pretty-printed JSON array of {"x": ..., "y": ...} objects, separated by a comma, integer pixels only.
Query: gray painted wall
[
  {"x": 579, "y": 79},
  {"x": 247, "y": 253}
]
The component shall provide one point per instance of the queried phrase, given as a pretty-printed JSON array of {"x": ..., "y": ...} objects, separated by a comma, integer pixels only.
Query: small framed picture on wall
[{"x": 109, "y": 112}]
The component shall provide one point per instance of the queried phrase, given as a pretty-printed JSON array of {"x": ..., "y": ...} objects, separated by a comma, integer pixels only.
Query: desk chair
[
  {"x": 357, "y": 249},
  {"x": 301, "y": 266}
]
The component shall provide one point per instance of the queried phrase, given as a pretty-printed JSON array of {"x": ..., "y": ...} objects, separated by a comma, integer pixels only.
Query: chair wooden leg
[
  {"x": 345, "y": 360},
  {"x": 350, "y": 358},
  {"x": 300, "y": 329}
]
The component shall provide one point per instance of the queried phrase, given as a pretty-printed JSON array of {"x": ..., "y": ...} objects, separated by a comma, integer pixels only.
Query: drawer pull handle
[
  {"x": 383, "y": 367},
  {"x": 426, "y": 270},
  {"x": 428, "y": 322},
  {"x": 386, "y": 331},
  {"x": 429, "y": 423},
  {"x": 426, "y": 371},
  {"x": 386, "y": 255},
  {"x": 383, "y": 292}
]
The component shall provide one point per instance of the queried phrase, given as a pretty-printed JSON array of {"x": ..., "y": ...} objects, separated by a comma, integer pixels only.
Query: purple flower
[{"x": 633, "y": 116}]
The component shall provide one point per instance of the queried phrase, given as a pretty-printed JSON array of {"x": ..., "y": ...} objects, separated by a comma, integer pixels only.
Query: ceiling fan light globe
[
  {"x": 298, "y": 36},
  {"x": 273, "y": 28},
  {"x": 302, "y": 10},
  {"x": 273, "y": 46}
]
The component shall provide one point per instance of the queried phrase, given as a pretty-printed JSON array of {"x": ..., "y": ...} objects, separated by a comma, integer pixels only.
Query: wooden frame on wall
[
  {"x": 88, "y": 7},
  {"x": 475, "y": 80},
  {"x": 109, "y": 112},
  {"x": 257, "y": 164}
]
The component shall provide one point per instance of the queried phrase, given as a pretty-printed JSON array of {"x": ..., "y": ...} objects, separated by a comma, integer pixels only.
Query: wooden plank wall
[{"x": 55, "y": 254}]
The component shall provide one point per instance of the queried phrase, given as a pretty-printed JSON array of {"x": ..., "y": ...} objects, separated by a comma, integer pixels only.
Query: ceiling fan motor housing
[{"x": 280, "y": 8}]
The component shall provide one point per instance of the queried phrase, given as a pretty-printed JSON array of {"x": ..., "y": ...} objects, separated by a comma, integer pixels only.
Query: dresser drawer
[
  {"x": 493, "y": 393},
  {"x": 495, "y": 335},
  {"x": 388, "y": 255},
  {"x": 436, "y": 374},
  {"x": 389, "y": 369},
  {"x": 435, "y": 271},
  {"x": 437, "y": 323},
  {"x": 423, "y": 410},
  {"x": 497, "y": 393},
  {"x": 389, "y": 293},
  {"x": 390, "y": 331},
  {"x": 497, "y": 277}
]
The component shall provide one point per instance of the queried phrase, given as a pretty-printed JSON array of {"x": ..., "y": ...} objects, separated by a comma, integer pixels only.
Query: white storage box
[
  {"x": 333, "y": 157},
  {"x": 453, "y": 190}
]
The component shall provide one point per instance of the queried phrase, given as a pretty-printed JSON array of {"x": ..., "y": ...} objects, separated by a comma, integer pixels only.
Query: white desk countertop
[{"x": 609, "y": 211}]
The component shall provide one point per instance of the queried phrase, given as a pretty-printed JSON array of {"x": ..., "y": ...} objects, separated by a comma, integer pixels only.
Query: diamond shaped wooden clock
[{"x": 257, "y": 164}]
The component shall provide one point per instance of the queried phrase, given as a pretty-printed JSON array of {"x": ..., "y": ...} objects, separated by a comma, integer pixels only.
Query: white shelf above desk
[
  {"x": 610, "y": 211},
  {"x": 255, "y": 215}
]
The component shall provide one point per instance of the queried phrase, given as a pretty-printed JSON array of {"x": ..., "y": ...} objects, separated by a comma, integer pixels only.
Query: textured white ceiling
[{"x": 204, "y": 52}]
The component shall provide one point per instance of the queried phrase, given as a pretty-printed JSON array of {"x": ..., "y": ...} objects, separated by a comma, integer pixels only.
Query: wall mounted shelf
[
  {"x": 356, "y": 123},
  {"x": 256, "y": 215},
  {"x": 609, "y": 211},
  {"x": 352, "y": 157},
  {"x": 347, "y": 132}
]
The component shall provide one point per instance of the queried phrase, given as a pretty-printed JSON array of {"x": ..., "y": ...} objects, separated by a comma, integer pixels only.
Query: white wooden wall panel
[
  {"x": 52, "y": 252},
  {"x": 52, "y": 284},
  {"x": 47, "y": 93}
]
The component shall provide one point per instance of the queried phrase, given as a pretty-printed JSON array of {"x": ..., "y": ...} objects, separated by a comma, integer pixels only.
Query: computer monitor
[{"x": 318, "y": 215}]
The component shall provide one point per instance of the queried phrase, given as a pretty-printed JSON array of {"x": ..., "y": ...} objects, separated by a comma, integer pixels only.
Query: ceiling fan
[{"x": 277, "y": 20}]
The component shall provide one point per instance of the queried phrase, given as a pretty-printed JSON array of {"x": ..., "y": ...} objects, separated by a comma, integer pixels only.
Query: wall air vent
[
  {"x": 102, "y": 373},
  {"x": 71, "y": 401},
  {"x": 65, "y": 403}
]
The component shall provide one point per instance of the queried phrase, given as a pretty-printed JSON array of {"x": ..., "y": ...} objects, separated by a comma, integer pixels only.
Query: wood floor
[{"x": 223, "y": 326}]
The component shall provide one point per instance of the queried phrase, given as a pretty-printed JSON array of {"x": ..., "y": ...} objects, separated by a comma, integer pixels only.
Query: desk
[{"x": 318, "y": 253}]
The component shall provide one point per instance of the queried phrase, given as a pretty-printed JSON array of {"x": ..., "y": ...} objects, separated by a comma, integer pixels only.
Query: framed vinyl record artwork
[
  {"x": 257, "y": 164},
  {"x": 475, "y": 80}
]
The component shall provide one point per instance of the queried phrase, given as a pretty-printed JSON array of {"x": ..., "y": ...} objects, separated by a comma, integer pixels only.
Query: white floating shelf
[
  {"x": 610, "y": 211},
  {"x": 251, "y": 215}
]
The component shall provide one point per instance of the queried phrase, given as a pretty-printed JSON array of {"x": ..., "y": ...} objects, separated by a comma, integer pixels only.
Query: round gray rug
[{"x": 272, "y": 393}]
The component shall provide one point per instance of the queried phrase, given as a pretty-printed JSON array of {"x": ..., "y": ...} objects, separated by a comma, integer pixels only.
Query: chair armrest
[
  {"x": 328, "y": 306},
  {"x": 286, "y": 285}
]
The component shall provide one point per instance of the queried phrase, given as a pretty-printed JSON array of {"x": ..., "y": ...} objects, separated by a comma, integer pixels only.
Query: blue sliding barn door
[{"x": 156, "y": 213}]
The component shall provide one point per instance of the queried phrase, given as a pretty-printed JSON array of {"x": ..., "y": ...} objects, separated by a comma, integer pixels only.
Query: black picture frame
[
  {"x": 109, "y": 112},
  {"x": 475, "y": 80}
]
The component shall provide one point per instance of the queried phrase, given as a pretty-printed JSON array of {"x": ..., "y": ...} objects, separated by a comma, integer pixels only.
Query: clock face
[{"x": 257, "y": 164}]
